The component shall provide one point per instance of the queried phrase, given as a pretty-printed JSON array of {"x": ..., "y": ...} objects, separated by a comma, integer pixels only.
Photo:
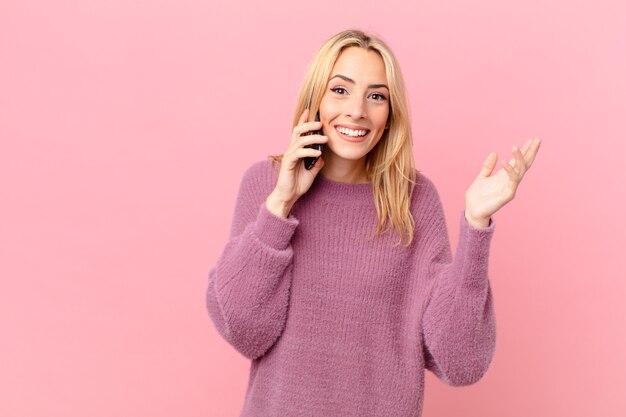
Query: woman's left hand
[{"x": 487, "y": 194}]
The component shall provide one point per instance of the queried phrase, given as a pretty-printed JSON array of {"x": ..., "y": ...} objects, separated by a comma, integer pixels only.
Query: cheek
[
  {"x": 383, "y": 118},
  {"x": 327, "y": 114},
  {"x": 328, "y": 109}
]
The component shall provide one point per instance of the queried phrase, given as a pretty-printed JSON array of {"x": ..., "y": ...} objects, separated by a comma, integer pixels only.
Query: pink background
[{"x": 126, "y": 127}]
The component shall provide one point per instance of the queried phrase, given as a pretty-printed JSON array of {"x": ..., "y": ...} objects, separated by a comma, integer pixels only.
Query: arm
[
  {"x": 248, "y": 292},
  {"x": 459, "y": 328}
]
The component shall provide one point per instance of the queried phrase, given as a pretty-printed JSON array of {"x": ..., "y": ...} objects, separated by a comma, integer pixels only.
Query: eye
[
  {"x": 335, "y": 89},
  {"x": 378, "y": 97}
]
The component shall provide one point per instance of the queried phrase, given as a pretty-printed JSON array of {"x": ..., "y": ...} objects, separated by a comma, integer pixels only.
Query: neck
[{"x": 351, "y": 172}]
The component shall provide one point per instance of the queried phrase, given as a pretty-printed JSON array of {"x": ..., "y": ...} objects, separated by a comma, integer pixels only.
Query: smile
[
  {"x": 351, "y": 132},
  {"x": 351, "y": 135}
]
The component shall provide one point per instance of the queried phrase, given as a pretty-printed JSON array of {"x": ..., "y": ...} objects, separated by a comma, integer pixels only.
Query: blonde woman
[{"x": 338, "y": 280}]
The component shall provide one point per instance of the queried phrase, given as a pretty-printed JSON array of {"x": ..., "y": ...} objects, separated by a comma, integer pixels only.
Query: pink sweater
[{"x": 337, "y": 325}]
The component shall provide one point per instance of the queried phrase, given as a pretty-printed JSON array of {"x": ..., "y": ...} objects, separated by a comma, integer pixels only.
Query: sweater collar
[{"x": 328, "y": 189}]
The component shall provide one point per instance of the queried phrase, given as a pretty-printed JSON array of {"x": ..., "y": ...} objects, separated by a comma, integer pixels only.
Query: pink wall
[{"x": 126, "y": 127}]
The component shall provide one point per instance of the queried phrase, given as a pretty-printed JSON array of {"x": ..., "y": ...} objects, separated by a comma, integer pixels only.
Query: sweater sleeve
[
  {"x": 459, "y": 327},
  {"x": 248, "y": 291}
]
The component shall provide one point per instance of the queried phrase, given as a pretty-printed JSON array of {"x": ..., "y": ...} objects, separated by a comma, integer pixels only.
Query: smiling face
[{"x": 355, "y": 106}]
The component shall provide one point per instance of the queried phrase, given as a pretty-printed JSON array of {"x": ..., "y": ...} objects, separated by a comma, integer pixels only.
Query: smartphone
[{"x": 309, "y": 161}]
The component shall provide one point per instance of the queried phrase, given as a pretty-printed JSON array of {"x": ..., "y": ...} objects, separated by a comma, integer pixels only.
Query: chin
[{"x": 351, "y": 154}]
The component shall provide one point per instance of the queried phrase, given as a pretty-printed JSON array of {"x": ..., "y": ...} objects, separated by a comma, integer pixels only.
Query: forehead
[{"x": 360, "y": 64}]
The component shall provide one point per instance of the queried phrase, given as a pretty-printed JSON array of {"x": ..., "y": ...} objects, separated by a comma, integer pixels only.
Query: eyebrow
[{"x": 350, "y": 80}]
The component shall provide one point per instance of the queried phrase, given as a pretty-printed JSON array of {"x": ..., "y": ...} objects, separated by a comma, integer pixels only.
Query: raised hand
[
  {"x": 488, "y": 193},
  {"x": 294, "y": 179}
]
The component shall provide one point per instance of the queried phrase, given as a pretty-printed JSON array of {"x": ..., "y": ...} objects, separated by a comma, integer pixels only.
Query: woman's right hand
[{"x": 294, "y": 179}]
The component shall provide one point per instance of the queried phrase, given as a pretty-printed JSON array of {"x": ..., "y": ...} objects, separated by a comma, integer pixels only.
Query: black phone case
[{"x": 309, "y": 161}]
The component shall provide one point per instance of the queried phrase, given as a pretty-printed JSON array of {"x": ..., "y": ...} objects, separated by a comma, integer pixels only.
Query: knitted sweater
[{"x": 339, "y": 325}]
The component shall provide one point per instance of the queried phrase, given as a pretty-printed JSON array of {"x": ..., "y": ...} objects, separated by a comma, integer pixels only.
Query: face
[{"x": 355, "y": 105}]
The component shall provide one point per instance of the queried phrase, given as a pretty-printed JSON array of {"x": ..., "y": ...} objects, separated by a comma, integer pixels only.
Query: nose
[{"x": 357, "y": 108}]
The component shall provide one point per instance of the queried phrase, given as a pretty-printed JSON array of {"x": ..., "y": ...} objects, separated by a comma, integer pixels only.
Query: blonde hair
[{"x": 389, "y": 165}]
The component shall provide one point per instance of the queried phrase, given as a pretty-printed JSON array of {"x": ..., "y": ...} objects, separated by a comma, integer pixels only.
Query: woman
[{"x": 337, "y": 320}]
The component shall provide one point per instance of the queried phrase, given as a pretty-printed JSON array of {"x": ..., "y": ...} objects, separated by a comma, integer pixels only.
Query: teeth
[{"x": 351, "y": 132}]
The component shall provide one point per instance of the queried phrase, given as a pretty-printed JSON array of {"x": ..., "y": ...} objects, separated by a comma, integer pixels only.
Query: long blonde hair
[{"x": 389, "y": 165}]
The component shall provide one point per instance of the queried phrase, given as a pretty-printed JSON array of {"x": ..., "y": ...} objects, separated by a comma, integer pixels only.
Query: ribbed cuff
[
  {"x": 274, "y": 230},
  {"x": 489, "y": 229},
  {"x": 473, "y": 249}
]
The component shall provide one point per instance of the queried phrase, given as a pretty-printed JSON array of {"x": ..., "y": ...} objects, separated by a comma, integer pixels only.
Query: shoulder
[
  {"x": 426, "y": 205},
  {"x": 259, "y": 179},
  {"x": 425, "y": 190},
  {"x": 259, "y": 168}
]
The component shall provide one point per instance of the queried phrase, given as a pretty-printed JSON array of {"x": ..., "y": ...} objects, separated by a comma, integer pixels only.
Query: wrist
[
  {"x": 479, "y": 223},
  {"x": 278, "y": 206}
]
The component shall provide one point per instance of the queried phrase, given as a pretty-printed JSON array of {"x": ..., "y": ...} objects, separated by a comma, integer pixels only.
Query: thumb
[
  {"x": 319, "y": 164},
  {"x": 488, "y": 165}
]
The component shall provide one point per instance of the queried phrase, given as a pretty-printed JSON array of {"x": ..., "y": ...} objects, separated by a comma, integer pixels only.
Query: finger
[
  {"x": 488, "y": 165},
  {"x": 525, "y": 149},
  {"x": 513, "y": 176},
  {"x": 303, "y": 116},
  {"x": 530, "y": 150},
  {"x": 513, "y": 161},
  {"x": 520, "y": 166},
  {"x": 302, "y": 152},
  {"x": 317, "y": 167},
  {"x": 527, "y": 146},
  {"x": 309, "y": 139},
  {"x": 295, "y": 133},
  {"x": 306, "y": 127},
  {"x": 532, "y": 153}
]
